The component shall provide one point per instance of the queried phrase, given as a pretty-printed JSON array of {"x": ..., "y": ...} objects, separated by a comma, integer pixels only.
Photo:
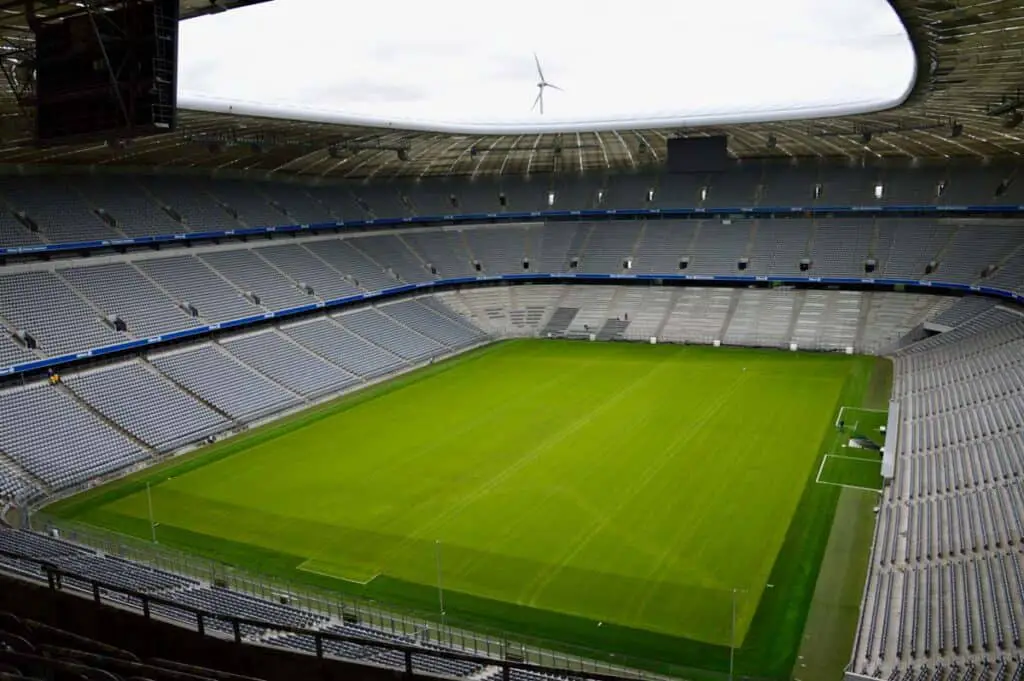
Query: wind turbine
[{"x": 541, "y": 84}]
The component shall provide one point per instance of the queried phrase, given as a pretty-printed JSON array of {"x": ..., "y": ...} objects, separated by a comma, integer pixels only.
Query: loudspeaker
[
  {"x": 869, "y": 265},
  {"x": 931, "y": 267}
]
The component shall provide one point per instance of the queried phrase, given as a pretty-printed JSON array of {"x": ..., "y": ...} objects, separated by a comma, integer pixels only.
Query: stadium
[{"x": 284, "y": 396}]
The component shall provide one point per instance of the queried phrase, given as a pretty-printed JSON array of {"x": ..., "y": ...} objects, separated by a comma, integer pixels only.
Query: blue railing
[
  {"x": 530, "y": 216},
  {"x": 945, "y": 287}
]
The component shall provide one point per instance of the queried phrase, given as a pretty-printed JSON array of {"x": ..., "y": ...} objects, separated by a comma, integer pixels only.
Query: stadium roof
[{"x": 970, "y": 82}]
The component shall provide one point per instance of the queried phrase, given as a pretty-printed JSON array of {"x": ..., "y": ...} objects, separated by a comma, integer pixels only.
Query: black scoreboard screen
[
  {"x": 108, "y": 74},
  {"x": 698, "y": 154}
]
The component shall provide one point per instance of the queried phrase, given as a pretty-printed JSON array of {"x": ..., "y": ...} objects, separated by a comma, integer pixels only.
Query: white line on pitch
[
  {"x": 344, "y": 579},
  {"x": 817, "y": 478},
  {"x": 851, "y": 458},
  {"x": 839, "y": 484}
]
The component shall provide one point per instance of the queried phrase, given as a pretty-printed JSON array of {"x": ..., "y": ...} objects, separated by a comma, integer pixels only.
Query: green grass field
[{"x": 558, "y": 485}]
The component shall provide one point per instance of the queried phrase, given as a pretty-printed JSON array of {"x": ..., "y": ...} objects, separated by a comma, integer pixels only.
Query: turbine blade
[
  {"x": 555, "y": 87},
  {"x": 538, "y": 100},
  {"x": 539, "y": 72}
]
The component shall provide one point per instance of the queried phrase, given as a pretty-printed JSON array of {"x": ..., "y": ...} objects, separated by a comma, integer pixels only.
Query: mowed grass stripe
[{"x": 634, "y": 485}]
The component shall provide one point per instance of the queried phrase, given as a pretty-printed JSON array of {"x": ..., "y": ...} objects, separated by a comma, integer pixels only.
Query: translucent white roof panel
[{"x": 465, "y": 66}]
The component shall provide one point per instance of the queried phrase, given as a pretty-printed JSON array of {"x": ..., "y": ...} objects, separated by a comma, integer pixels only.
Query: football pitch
[{"x": 672, "y": 494}]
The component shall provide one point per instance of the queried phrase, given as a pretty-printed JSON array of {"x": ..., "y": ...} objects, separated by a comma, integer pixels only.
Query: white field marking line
[
  {"x": 851, "y": 458},
  {"x": 575, "y": 426},
  {"x": 669, "y": 546},
  {"x": 839, "y": 484},
  {"x": 502, "y": 475},
  {"x": 546, "y": 577},
  {"x": 343, "y": 579},
  {"x": 865, "y": 409},
  {"x": 817, "y": 478}
]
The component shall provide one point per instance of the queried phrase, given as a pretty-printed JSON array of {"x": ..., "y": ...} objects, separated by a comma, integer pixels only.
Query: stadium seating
[
  {"x": 104, "y": 419},
  {"x": 58, "y": 439},
  {"x": 83, "y": 209},
  {"x": 24, "y": 552},
  {"x": 119, "y": 289},
  {"x": 946, "y": 584},
  {"x": 351, "y": 352},
  {"x": 60, "y": 321},
  {"x": 236, "y": 380},
  {"x": 74, "y": 308},
  {"x": 287, "y": 363},
  {"x": 227, "y": 385},
  {"x": 145, "y": 404},
  {"x": 55, "y": 208},
  {"x": 193, "y": 285}
]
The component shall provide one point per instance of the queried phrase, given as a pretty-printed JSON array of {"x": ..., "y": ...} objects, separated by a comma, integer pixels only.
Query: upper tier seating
[
  {"x": 13, "y": 233},
  {"x": 135, "y": 212},
  {"x": 188, "y": 198},
  {"x": 109, "y": 207},
  {"x": 56, "y": 208},
  {"x": 248, "y": 201}
]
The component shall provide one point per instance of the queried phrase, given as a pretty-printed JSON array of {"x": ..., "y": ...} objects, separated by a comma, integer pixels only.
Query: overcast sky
[{"x": 470, "y": 63}]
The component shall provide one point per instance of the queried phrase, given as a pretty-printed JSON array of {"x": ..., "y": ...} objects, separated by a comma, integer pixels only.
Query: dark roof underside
[{"x": 970, "y": 57}]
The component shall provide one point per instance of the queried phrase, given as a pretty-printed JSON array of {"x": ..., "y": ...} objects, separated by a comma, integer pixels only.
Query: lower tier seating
[{"x": 945, "y": 592}]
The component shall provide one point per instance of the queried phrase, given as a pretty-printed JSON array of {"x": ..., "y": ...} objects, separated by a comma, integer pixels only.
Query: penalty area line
[
  {"x": 338, "y": 577},
  {"x": 817, "y": 478},
  {"x": 863, "y": 409},
  {"x": 849, "y": 458}
]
